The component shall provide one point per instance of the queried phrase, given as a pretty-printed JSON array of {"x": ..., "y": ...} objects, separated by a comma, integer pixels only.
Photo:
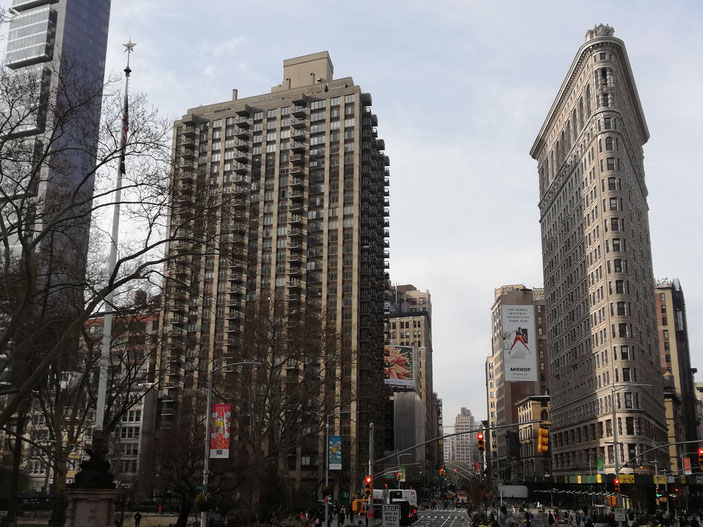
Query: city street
[{"x": 451, "y": 517}]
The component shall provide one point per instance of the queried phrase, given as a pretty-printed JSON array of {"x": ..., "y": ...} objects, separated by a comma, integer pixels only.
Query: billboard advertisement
[
  {"x": 334, "y": 451},
  {"x": 399, "y": 366},
  {"x": 519, "y": 343},
  {"x": 220, "y": 423}
]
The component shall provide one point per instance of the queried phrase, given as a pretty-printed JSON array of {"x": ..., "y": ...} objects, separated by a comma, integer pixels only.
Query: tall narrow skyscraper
[
  {"x": 606, "y": 384},
  {"x": 302, "y": 220}
]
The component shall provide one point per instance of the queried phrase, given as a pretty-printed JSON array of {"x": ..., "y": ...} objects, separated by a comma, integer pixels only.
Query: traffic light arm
[
  {"x": 658, "y": 447},
  {"x": 474, "y": 431}
]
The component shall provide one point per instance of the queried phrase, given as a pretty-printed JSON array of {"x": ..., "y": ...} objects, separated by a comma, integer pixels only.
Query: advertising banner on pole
[
  {"x": 220, "y": 423},
  {"x": 519, "y": 343},
  {"x": 687, "y": 465},
  {"x": 335, "y": 452},
  {"x": 599, "y": 465}
]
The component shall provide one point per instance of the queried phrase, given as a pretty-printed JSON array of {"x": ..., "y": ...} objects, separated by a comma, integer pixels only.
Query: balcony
[
  {"x": 296, "y": 219},
  {"x": 296, "y": 232},
  {"x": 298, "y": 134},
  {"x": 297, "y": 123},
  {"x": 380, "y": 144},
  {"x": 297, "y": 146},
  {"x": 297, "y": 159},
  {"x": 296, "y": 171},
  {"x": 241, "y": 133},
  {"x": 299, "y": 111},
  {"x": 240, "y": 155},
  {"x": 244, "y": 112},
  {"x": 386, "y": 202},
  {"x": 240, "y": 168},
  {"x": 365, "y": 99},
  {"x": 242, "y": 145}
]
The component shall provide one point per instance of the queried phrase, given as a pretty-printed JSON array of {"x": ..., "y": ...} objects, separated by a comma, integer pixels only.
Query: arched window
[{"x": 544, "y": 416}]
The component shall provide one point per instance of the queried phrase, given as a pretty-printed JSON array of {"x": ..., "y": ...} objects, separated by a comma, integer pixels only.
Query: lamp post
[{"x": 206, "y": 462}]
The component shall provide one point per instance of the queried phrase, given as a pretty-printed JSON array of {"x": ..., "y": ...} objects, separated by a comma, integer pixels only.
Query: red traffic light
[
  {"x": 368, "y": 479},
  {"x": 700, "y": 451},
  {"x": 480, "y": 436},
  {"x": 617, "y": 482}
]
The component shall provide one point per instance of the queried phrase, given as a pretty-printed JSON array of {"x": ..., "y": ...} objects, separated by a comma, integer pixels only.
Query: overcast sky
[{"x": 460, "y": 89}]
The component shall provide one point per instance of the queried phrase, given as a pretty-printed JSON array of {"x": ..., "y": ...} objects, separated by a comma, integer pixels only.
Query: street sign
[
  {"x": 620, "y": 515},
  {"x": 391, "y": 515}
]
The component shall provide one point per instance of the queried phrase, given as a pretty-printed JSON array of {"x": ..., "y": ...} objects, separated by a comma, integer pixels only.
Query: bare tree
[{"x": 56, "y": 186}]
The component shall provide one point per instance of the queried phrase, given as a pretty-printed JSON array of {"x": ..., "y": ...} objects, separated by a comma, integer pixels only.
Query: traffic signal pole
[{"x": 475, "y": 431}]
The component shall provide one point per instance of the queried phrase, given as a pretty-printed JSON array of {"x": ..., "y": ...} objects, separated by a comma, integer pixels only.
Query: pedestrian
[
  {"x": 342, "y": 516},
  {"x": 550, "y": 518},
  {"x": 137, "y": 518},
  {"x": 160, "y": 508},
  {"x": 589, "y": 523}
]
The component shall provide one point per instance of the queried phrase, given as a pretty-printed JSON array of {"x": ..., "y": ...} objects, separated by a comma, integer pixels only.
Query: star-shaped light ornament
[{"x": 129, "y": 46}]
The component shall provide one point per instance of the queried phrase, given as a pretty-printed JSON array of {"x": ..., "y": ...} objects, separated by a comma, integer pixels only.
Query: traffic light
[
  {"x": 399, "y": 475},
  {"x": 543, "y": 440},
  {"x": 455, "y": 472},
  {"x": 481, "y": 444},
  {"x": 700, "y": 457},
  {"x": 616, "y": 483},
  {"x": 368, "y": 486}
]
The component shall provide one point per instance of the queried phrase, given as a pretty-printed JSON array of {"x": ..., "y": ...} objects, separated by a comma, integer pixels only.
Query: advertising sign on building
[
  {"x": 687, "y": 465},
  {"x": 335, "y": 452},
  {"x": 221, "y": 421},
  {"x": 399, "y": 366},
  {"x": 519, "y": 343}
]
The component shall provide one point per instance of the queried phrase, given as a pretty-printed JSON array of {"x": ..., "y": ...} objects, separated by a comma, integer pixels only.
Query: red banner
[
  {"x": 687, "y": 465},
  {"x": 220, "y": 423}
]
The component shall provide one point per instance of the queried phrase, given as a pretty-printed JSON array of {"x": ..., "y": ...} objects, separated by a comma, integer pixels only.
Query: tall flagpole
[{"x": 112, "y": 258}]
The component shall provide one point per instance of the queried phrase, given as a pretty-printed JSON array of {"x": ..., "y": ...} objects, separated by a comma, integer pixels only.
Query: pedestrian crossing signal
[
  {"x": 543, "y": 440},
  {"x": 481, "y": 444}
]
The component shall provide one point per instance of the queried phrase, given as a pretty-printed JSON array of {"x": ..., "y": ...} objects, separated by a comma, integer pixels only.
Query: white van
[{"x": 408, "y": 495}]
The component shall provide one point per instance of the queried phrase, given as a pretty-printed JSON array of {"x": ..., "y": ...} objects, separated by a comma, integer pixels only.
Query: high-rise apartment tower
[
  {"x": 303, "y": 185},
  {"x": 605, "y": 383},
  {"x": 504, "y": 389}
]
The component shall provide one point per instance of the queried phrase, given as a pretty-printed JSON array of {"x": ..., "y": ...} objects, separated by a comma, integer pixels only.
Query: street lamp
[{"x": 206, "y": 464}]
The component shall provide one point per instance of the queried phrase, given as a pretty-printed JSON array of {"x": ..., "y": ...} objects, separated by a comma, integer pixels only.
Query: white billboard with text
[{"x": 519, "y": 343}]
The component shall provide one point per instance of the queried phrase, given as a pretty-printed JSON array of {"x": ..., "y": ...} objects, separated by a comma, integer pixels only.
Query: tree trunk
[
  {"x": 58, "y": 514},
  {"x": 184, "y": 511},
  {"x": 12, "y": 504}
]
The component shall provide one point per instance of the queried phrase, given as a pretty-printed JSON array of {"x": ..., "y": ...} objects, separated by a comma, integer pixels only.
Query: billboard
[
  {"x": 519, "y": 343},
  {"x": 399, "y": 366},
  {"x": 334, "y": 451},
  {"x": 220, "y": 423}
]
